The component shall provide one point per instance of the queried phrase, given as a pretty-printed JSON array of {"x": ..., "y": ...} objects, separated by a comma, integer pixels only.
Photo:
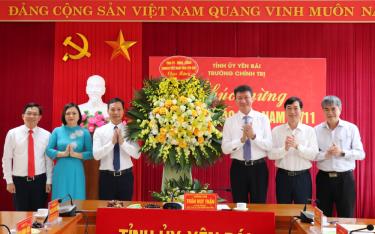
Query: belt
[
  {"x": 29, "y": 179},
  {"x": 250, "y": 162},
  {"x": 117, "y": 173},
  {"x": 292, "y": 173},
  {"x": 335, "y": 174}
]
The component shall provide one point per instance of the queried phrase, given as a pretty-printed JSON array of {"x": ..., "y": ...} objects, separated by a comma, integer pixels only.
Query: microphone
[
  {"x": 307, "y": 216},
  {"x": 369, "y": 227},
  {"x": 172, "y": 205},
  {"x": 3, "y": 225},
  {"x": 68, "y": 210}
]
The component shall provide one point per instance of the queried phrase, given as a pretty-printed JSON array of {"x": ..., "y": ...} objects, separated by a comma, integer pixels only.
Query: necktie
[
  {"x": 116, "y": 155},
  {"x": 247, "y": 145},
  {"x": 30, "y": 151}
]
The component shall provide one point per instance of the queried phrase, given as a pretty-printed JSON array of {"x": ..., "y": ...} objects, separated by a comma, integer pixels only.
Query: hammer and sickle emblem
[{"x": 82, "y": 51}]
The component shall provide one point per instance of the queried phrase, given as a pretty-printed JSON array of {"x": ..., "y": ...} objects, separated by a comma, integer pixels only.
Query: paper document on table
[
  {"x": 223, "y": 207},
  {"x": 329, "y": 230}
]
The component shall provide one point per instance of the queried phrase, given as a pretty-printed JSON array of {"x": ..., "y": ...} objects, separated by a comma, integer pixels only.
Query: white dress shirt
[
  {"x": 15, "y": 158},
  {"x": 294, "y": 159},
  {"x": 103, "y": 148},
  {"x": 346, "y": 136},
  {"x": 233, "y": 132}
]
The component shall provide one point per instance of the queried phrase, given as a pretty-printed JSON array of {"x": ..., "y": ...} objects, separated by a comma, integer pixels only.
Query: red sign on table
[
  {"x": 340, "y": 229},
  {"x": 24, "y": 226},
  {"x": 200, "y": 201},
  {"x": 122, "y": 220},
  {"x": 318, "y": 216},
  {"x": 53, "y": 211}
]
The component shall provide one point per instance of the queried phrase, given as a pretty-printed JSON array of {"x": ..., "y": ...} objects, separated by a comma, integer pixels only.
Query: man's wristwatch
[{"x": 342, "y": 154}]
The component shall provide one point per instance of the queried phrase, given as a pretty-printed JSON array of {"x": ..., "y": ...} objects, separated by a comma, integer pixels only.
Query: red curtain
[
  {"x": 349, "y": 49},
  {"x": 122, "y": 77},
  {"x": 26, "y": 75}
]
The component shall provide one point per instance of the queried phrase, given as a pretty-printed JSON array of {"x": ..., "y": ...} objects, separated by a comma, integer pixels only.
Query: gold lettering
[
  {"x": 284, "y": 11},
  {"x": 367, "y": 11}
]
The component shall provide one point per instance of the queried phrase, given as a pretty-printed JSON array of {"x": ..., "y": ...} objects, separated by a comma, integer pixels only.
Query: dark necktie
[
  {"x": 116, "y": 155},
  {"x": 247, "y": 145},
  {"x": 31, "y": 159}
]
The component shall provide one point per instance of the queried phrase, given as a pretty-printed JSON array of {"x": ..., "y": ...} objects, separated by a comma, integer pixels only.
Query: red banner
[
  {"x": 157, "y": 221},
  {"x": 273, "y": 80},
  {"x": 209, "y": 11}
]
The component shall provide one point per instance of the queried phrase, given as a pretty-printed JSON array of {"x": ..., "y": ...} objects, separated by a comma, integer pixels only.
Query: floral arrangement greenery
[
  {"x": 178, "y": 121},
  {"x": 177, "y": 188},
  {"x": 93, "y": 121}
]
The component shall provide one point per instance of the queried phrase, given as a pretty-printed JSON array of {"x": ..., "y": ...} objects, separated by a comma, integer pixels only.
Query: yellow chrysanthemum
[
  {"x": 168, "y": 103},
  {"x": 200, "y": 140},
  {"x": 182, "y": 144}
]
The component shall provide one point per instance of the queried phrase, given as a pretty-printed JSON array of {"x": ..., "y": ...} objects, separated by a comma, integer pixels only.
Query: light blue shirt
[{"x": 346, "y": 136}]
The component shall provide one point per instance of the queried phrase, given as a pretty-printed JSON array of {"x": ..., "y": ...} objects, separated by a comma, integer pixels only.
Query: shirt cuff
[{"x": 9, "y": 180}]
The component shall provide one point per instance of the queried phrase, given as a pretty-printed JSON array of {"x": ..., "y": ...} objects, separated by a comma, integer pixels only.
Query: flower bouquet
[{"x": 178, "y": 121}]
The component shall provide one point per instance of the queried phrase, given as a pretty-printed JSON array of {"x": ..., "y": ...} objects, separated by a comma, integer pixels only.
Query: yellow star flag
[{"x": 120, "y": 46}]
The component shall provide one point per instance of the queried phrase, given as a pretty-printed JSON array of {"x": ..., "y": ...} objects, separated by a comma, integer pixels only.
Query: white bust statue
[{"x": 95, "y": 89}]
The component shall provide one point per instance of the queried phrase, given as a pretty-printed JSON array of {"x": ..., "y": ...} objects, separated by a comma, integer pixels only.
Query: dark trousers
[
  {"x": 116, "y": 187},
  {"x": 245, "y": 179},
  {"x": 338, "y": 189},
  {"x": 30, "y": 194},
  {"x": 293, "y": 186}
]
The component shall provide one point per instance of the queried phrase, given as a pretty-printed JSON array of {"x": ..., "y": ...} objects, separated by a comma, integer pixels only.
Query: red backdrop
[
  {"x": 349, "y": 52},
  {"x": 27, "y": 73},
  {"x": 122, "y": 76}
]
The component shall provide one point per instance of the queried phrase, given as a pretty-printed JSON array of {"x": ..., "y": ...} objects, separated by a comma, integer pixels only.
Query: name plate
[
  {"x": 53, "y": 211},
  {"x": 340, "y": 229},
  {"x": 318, "y": 216},
  {"x": 24, "y": 226},
  {"x": 200, "y": 201}
]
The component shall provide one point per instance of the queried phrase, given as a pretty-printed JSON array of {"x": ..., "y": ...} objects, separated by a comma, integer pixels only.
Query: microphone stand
[
  {"x": 172, "y": 205},
  {"x": 369, "y": 227},
  {"x": 306, "y": 216},
  {"x": 67, "y": 211}
]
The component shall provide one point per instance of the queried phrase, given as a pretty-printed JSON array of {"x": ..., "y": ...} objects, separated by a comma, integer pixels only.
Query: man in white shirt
[
  {"x": 340, "y": 145},
  {"x": 294, "y": 147},
  {"x": 26, "y": 168},
  {"x": 114, "y": 152},
  {"x": 247, "y": 138}
]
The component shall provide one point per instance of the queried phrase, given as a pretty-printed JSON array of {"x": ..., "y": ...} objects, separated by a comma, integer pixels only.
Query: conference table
[
  {"x": 67, "y": 224},
  {"x": 283, "y": 213}
]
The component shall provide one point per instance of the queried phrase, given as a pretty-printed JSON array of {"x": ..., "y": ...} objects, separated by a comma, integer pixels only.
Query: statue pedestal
[{"x": 92, "y": 179}]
